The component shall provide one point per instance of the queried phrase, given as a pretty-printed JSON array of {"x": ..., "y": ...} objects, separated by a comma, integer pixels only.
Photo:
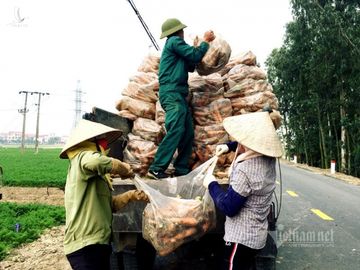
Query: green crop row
[
  {"x": 23, "y": 223},
  {"x": 27, "y": 168}
]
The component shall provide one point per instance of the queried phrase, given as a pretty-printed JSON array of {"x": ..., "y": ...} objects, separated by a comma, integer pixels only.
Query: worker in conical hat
[
  {"x": 89, "y": 203},
  {"x": 177, "y": 60},
  {"x": 246, "y": 202}
]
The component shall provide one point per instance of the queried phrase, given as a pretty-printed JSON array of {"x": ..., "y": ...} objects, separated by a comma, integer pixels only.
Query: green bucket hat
[{"x": 171, "y": 26}]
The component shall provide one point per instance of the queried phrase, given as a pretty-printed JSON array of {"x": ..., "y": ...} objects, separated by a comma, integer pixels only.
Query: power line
[
  {"x": 11, "y": 105},
  {"x": 8, "y": 110},
  {"x": 144, "y": 25},
  {"x": 10, "y": 122},
  {"x": 78, "y": 102}
]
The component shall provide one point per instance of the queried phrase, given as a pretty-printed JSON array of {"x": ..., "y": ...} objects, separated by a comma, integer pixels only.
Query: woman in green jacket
[
  {"x": 177, "y": 59},
  {"x": 89, "y": 203}
]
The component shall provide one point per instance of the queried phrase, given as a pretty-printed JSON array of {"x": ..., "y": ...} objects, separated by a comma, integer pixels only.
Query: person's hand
[
  {"x": 221, "y": 149},
  {"x": 209, "y": 36},
  {"x": 121, "y": 200},
  {"x": 196, "y": 41},
  {"x": 139, "y": 195},
  {"x": 121, "y": 168},
  {"x": 209, "y": 178}
]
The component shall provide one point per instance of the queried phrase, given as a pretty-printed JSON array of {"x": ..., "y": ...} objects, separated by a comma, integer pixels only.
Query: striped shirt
[{"x": 255, "y": 179}]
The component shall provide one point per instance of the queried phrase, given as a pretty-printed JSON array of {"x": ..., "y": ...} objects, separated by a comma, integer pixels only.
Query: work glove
[
  {"x": 209, "y": 36},
  {"x": 209, "y": 178},
  {"x": 121, "y": 168},
  {"x": 121, "y": 200},
  {"x": 221, "y": 149}
]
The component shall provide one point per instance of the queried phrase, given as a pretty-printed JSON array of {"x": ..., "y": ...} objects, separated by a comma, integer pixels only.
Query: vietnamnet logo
[
  {"x": 296, "y": 237},
  {"x": 19, "y": 19}
]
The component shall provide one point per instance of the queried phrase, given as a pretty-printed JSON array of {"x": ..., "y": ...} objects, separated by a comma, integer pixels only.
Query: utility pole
[
  {"x": 38, "y": 118},
  {"x": 78, "y": 102},
  {"x": 23, "y": 111}
]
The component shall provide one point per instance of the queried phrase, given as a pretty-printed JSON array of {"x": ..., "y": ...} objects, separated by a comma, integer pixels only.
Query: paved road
[{"x": 319, "y": 223}]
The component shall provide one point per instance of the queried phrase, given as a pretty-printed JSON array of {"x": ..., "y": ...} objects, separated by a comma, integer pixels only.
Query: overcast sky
[{"x": 47, "y": 45}]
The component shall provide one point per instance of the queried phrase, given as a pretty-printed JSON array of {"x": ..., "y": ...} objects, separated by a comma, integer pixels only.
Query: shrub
[{"x": 33, "y": 220}]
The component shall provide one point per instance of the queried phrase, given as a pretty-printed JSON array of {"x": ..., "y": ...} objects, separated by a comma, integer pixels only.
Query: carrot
[
  {"x": 183, "y": 235},
  {"x": 205, "y": 226},
  {"x": 187, "y": 221},
  {"x": 171, "y": 227},
  {"x": 165, "y": 251}
]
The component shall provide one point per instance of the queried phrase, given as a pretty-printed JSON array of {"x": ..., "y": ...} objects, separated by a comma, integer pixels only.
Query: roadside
[{"x": 340, "y": 176}]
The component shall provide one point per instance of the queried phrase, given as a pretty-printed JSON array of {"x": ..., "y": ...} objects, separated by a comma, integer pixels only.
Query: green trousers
[{"x": 180, "y": 134}]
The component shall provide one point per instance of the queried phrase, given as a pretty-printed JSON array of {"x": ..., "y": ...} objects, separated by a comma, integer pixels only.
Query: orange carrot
[
  {"x": 183, "y": 235},
  {"x": 187, "y": 221}
]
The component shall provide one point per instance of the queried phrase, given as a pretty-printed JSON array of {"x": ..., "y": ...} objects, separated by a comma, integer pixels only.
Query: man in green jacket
[
  {"x": 177, "y": 59},
  {"x": 89, "y": 203}
]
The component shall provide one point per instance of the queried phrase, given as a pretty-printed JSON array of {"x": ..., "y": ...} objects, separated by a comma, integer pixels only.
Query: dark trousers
[
  {"x": 93, "y": 257},
  {"x": 238, "y": 257},
  {"x": 179, "y": 134}
]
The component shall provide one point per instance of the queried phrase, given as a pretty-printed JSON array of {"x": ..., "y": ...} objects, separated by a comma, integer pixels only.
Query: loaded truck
[{"x": 131, "y": 251}]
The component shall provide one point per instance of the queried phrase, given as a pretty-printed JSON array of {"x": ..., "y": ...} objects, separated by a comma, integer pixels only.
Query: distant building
[
  {"x": 11, "y": 136},
  {"x": 15, "y": 137}
]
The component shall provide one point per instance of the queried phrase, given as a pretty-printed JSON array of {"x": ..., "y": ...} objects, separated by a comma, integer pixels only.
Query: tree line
[{"x": 316, "y": 77}]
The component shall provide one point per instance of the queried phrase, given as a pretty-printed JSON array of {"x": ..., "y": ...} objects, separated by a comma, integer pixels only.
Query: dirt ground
[
  {"x": 44, "y": 254},
  {"x": 47, "y": 252},
  {"x": 53, "y": 196}
]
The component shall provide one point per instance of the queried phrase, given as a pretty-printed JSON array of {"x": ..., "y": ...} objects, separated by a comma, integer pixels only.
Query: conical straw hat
[
  {"x": 86, "y": 130},
  {"x": 255, "y": 131}
]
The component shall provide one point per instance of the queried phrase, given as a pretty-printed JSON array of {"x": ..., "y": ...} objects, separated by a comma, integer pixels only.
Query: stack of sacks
[
  {"x": 209, "y": 108},
  {"x": 240, "y": 87},
  {"x": 138, "y": 103},
  {"x": 139, "y": 153},
  {"x": 247, "y": 85}
]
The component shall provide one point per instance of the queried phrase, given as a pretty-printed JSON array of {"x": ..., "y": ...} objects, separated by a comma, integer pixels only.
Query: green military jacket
[
  {"x": 87, "y": 201},
  {"x": 177, "y": 59}
]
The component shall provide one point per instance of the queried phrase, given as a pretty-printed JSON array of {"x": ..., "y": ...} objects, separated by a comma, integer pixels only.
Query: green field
[
  {"x": 32, "y": 218},
  {"x": 44, "y": 169}
]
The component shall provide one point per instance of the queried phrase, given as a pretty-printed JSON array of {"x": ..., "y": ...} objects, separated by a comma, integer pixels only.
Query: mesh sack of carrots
[
  {"x": 141, "y": 92},
  {"x": 180, "y": 209},
  {"x": 139, "y": 153},
  {"x": 215, "y": 58},
  {"x": 213, "y": 113}
]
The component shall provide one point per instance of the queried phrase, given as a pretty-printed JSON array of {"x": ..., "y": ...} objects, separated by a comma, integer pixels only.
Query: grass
[
  {"x": 44, "y": 169},
  {"x": 33, "y": 220}
]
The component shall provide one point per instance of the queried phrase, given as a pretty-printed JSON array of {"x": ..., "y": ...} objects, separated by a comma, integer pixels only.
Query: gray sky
[{"x": 47, "y": 45}]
